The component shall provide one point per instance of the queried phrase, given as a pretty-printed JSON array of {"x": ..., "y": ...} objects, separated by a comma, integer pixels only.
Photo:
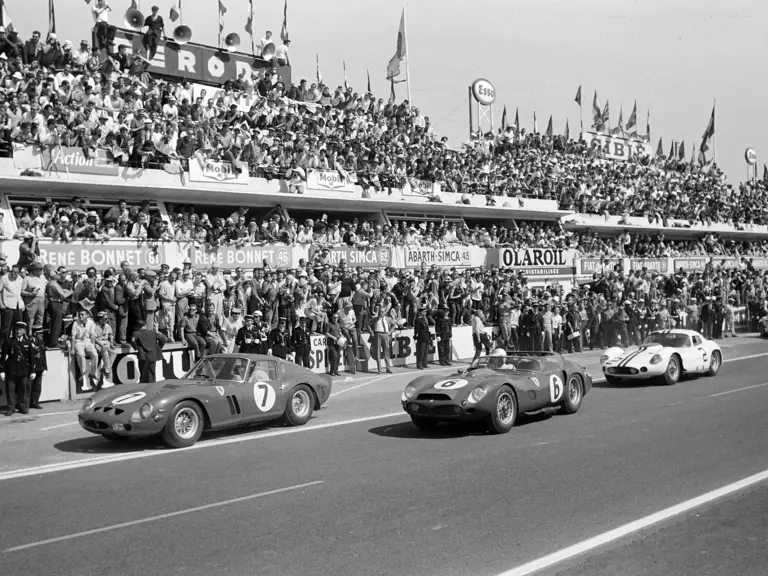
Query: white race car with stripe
[{"x": 664, "y": 354}]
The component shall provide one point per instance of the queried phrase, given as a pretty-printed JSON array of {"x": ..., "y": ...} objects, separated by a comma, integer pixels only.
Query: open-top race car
[
  {"x": 220, "y": 391},
  {"x": 496, "y": 388},
  {"x": 664, "y": 354}
]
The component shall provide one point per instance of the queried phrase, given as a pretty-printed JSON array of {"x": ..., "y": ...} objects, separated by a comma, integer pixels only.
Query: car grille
[
  {"x": 433, "y": 397},
  {"x": 96, "y": 424},
  {"x": 443, "y": 411},
  {"x": 624, "y": 370},
  {"x": 107, "y": 409}
]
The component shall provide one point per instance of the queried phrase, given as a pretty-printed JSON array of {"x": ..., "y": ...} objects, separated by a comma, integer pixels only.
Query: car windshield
[
  {"x": 669, "y": 340},
  {"x": 219, "y": 368},
  {"x": 516, "y": 362}
]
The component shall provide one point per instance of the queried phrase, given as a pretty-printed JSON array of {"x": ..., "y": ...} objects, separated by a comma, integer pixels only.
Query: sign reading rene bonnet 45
[{"x": 483, "y": 91}]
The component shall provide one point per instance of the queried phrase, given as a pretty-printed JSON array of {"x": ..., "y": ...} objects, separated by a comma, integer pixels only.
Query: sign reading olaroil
[{"x": 539, "y": 261}]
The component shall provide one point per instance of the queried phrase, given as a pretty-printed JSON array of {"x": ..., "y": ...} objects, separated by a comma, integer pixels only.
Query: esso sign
[
  {"x": 750, "y": 156},
  {"x": 483, "y": 91}
]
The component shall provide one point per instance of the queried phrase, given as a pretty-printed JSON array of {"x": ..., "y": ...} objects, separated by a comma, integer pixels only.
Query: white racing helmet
[{"x": 497, "y": 358}]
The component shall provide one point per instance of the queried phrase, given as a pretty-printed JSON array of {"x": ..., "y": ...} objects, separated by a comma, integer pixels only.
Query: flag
[
  {"x": 596, "y": 114},
  {"x": 86, "y": 1},
  {"x": 535, "y": 124},
  {"x": 249, "y": 19},
  {"x": 175, "y": 8},
  {"x": 567, "y": 133},
  {"x": 659, "y": 149},
  {"x": 621, "y": 120},
  {"x": 578, "y": 96},
  {"x": 5, "y": 19},
  {"x": 504, "y": 124},
  {"x": 393, "y": 68},
  {"x": 517, "y": 120},
  {"x": 344, "y": 64},
  {"x": 709, "y": 133},
  {"x": 632, "y": 122},
  {"x": 319, "y": 74},
  {"x": 369, "y": 81},
  {"x": 671, "y": 150},
  {"x": 606, "y": 114},
  {"x": 693, "y": 154},
  {"x": 284, "y": 30},
  {"x": 51, "y": 18},
  {"x": 681, "y": 152},
  {"x": 765, "y": 172},
  {"x": 549, "y": 127},
  {"x": 392, "y": 90},
  {"x": 648, "y": 125},
  {"x": 222, "y": 11},
  {"x": 702, "y": 158}
]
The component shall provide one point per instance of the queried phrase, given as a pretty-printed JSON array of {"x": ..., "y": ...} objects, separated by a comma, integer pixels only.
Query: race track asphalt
[{"x": 380, "y": 498}]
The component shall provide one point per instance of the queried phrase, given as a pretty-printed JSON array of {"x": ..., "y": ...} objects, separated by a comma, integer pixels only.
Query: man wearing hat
[
  {"x": 104, "y": 340},
  {"x": 149, "y": 302},
  {"x": 16, "y": 368},
  {"x": 33, "y": 293},
  {"x": 301, "y": 343},
  {"x": 39, "y": 365},
  {"x": 278, "y": 340},
  {"x": 148, "y": 344},
  {"x": 248, "y": 338},
  {"x": 262, "y": 329},
  {"x": 421, "y": 336},
  {"x": 443, "y": 334}
]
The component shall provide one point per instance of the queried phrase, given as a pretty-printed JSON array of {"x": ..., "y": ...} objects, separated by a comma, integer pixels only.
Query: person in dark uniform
[
  {"x": 39, "y": 365},
  {"x": 148, "y": 344},
  {"x": 443, "y": 333},
  {"x": 16, "y": 362},
  {"x": 155, "y": 31},
  {"x": 527, "y": 319},
  {"x": 248, "y": 338},
  {"x": 422, "y": 337},
  {"x": 633, "y": 325},
  {"x": 332, "y": 335},
  {"x": 572, "y": 326},
  {"x": 278, "y": 340},
  {"x": 301, "y": 343},
  {"x": 262, "y": 330}
]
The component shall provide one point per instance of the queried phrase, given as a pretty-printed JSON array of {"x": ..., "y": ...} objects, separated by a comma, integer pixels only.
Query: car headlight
[
  {"x": 88, "y": 404},
  {"x": 603, "y": 358},
  {"x": 477, "y": 395},
  {"x": 656, "y": 359},
  {"x": 410, "y": 390},
  {"x": 144, "y": 411}
]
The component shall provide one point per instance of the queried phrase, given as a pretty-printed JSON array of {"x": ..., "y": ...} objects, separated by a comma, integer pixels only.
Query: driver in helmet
[{"x": 497, "y": 358}]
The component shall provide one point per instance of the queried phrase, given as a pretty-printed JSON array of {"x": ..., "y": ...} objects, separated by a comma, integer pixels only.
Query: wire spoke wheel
[
  {"x": 186, "y": 423},
  {"x": 505, "y": 408},
  {"x": 301, "y": 403}
]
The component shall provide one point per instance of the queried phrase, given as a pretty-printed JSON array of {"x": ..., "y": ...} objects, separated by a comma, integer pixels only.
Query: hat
[
  {"x": 37, "y": 328},
  {"x": 52, "y": 36},
  {"x": 35, "y": 266},
  {"x": 151, "y": 274},
  {"x": 21, "y": 325},
  {"x": 282, "y": 319},
  {"x": 258, "y": 313},
  {"x": 236, "y": 311},
  {"x": 249, "y": 316},
  {"x": 3, "y": 56},
  {"x": 18, "y": 76},
  {"x": 2, "y": 28},
  {"x": 3, "y": 257},
  {"x": 102, "y": 314}
]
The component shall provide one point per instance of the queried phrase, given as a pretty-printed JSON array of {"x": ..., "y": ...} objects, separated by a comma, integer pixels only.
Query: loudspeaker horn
[
  {"x": 133, "y": 19},
  {"x": 232, "y": 41},
  {"x": 182, "y": 34},
  {"x": 268, "y": 52}
]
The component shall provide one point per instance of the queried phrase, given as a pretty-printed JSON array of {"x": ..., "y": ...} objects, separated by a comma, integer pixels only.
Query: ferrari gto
[
  {"x": 665, "y": 355},
  {"x": 220, "y": 391},
  {"x": 496, "y": 388}
]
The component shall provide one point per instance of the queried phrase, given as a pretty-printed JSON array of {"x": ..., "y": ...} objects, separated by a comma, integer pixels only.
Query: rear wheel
[
  {"x": 184, "y": 426},
  {"x": 672, "y": 373},
  {"x": 714, "y": 364},
  {"x": 300, "y": 406},
  {"x": 503, "y": 413},
  {"x": 424, "y": 423},
  {"x": 574, "y": 395}
]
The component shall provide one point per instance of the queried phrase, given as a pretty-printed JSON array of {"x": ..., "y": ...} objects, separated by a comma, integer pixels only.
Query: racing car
[
  {"x": 665, "y": 355},
  {"x": 495, "y": 389},
  {"x": 220, "y": 391}
]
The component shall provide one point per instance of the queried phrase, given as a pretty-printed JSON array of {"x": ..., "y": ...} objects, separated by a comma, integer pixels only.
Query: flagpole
[
  {"x": 581, "y": 116},
  {"x": 407, "y": 54},
  {"x": 253, "y": 40},
  {"x": 714, "y": 139}
]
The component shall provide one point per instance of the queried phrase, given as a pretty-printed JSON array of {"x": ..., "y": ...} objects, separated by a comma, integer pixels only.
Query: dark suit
[
  {"x": 151, "y": 39},
  {"x": 422, "y": 338},
  {"x": 39, "y": 365},
  {"x": 148, "y": 344},
  {"x": 278, "y": 341},
  {"x": 302, "y": 346},
  {"x": 444, "y": 332},
  {"x": 17, "y": 360}
]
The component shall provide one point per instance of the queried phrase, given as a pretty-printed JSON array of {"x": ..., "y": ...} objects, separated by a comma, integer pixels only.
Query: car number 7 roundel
[
  {"x": 264, "y": 396},
  {"x": 555, "y": 388}
]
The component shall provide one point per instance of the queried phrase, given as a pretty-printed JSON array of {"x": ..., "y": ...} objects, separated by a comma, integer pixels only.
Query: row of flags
[{"x": 601, "y": 119}]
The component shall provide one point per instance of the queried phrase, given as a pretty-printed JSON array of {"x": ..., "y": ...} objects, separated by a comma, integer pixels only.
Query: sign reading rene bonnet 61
[{"x": 483, "y": 91}]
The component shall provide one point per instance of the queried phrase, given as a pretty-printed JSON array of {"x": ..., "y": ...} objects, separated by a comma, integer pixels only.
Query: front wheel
[
  {"x": 300, "y": 406},
  {"x": 574, "y": 395},
  {"x": 672, "y": 373},
  {"x": 184, "y": 426},
  {"x": 503, "y": 413},
  {"x": 714, "y": 364},
  {"x": 424, "y": 423}
]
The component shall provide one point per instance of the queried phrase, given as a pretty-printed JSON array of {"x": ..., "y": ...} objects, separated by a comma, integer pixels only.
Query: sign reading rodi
[
  {"x": 209, "y": 171},
  {"x": 539, "y": 261},
  {"x": 366, "y": 257},
  {"x": 82, "y": 255},
  {"x": 74, "y": 160},
  {"x": 246, "y": 256},
  {"x": 329, "y": 180},
  {"x": 444, "y": 257}
]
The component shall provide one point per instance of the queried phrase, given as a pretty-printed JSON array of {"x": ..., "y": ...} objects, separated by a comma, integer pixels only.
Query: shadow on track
[
  {"x": 448, "y": 430},
  {"x": 650, "y": 383}
]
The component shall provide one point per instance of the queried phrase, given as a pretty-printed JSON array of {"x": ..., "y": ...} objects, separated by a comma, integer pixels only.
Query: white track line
[
  {"x": 160, "y": 517},
  {"x": 738, "y": 390},
  {"x": 59, "y": 426},
  {"x": 637, "y": 525},
  {"x": 378, "y": 378}
]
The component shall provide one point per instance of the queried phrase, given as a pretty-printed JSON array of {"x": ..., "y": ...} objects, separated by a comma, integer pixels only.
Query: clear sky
[{"x": 675, "y": 57}]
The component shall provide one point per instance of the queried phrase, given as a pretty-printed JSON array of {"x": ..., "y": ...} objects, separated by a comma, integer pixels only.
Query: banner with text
[
  {"x": 660, "y": 265},
  {"x": 81, "y": 255},
  {"x": 615, "y": 147},
  {"x": 228, "y": 257},
  {"x": 589, "y": 266},
  {"x": 691, "y": 263},
  {"x": 539, "y": 261},
  {"x": 724, "y": 261},
  {"x": 329, "y": 180},
  {"x": 418, "y": 187},
  {"x": 442, "y": 257},
  {"x": 366, "y": 257},
  {"x": 74, "y": 160},
  {"x": 758, "y": 262},
  {"x": 216, "y": 172}
]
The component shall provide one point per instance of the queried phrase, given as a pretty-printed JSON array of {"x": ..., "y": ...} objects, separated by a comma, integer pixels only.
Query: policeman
[
  {"x": 301, "y": 343},
  {"x": 262, "y": 331},
  {"x": 422, "y": 337},
  {"x": 39, "y": 365},
  {"x": 16, "y": 362},
  {"x": 248, "y": 338},
  {"x": 279, "y": 341},
  {"x": 443, "y": 333}
]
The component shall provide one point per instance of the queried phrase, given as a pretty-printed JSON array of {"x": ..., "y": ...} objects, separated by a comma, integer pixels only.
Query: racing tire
[
  {"x": 424, "y": 423},
  {"x": 300, "y": 405},
  {"x": 114, "y": 437},
  {"x": 184, "y": 426},
  {"x": 573, "y": 395},
  {"x": 714, "y": 363},
  {"x": 672, "y": 373},
  {"x": 503, "y": 413}
]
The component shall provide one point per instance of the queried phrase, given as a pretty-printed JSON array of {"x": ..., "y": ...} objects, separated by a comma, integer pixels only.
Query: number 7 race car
[
  {"x": 664, "y": 355},
  {"x": 495, "y": 389}
]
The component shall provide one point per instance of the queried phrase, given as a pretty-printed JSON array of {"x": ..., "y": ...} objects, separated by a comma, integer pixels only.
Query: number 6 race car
[
  {"x": 220, "y": 391},
  {"x": 496, "y": 388},
  {"x": 664, "y": 354}
]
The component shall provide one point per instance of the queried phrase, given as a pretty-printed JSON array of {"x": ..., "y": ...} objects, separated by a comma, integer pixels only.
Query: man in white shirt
[
  {"x": 281, "y": 54},
  {"x": 82, "y": 342},
  {"x": 101, "y": 17},
  {"x": 266, "y": 40},
  {"x": 10, "y": 300},
  {"x": 80, "y": 57}
]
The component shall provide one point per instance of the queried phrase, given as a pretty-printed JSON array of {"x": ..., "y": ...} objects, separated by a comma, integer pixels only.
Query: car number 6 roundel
[
  {"x": 264, "y": 396},
  {"x": 555, "y": 387},
  {"x": 450, "y": 384},
  {"x": 128, "y": 398}
]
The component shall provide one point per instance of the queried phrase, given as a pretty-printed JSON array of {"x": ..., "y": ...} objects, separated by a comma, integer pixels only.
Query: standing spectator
[
  {"x": 382, "y": 331},
  {"x": 349, "y": 331},
  {"x": 33, "y": 292},
  {"x": 333, "y": 337},
  {"x": 32, "y": 49},
  {"x": 281, "y": 54},
  {"x": 279, "y": 341},
  {"x": 479, "y": 334},
  {"x": 248, "y": 338},
  {"x": 39, "y": 365},
  {"x": 58, "y": 299},
  {"x": 149, "y": 301},
  {"x": 82, "y": 341},
  {"x": 443, "y": 334},
  {"x": 11, "y": 303},
  {"x": 148, "y": 344},
  {"x": 17, "y": 369},
  {"x": 101, "y": 17},
  {"x": 184, "y": 290},
  {"x": 422, "y": 337},
  {"x": 104, "y": 340},
  {"x": 121, "y": 301},
  {"x": 301, "y": 344},
  {"x": 155, "y": 31}
]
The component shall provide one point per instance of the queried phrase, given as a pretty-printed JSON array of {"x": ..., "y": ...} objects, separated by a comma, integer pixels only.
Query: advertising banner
[
  {"x": 216, "y": 172},
  {"x": 725, "y": 261},
  {"x": 617, "y": 148},
  {"x": 420, "y": 187},
  {"x": 539, "y": 261},
  {"x": 660, "y": 265},
  {"x": 329, "y": 180},
  {"x": 758, "y": 262},
  {"x": 228, "y": 257},
  {"x": 367, "y": 257},
  {"x": 443, "y": 257},
  {"x": 73, "y": 160},
  {"x": 81, "y": 255},
  {"x": 691, "y": 264},
  {"x": 589, "y": 266},
  {"x": 26, "y": 157}
]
